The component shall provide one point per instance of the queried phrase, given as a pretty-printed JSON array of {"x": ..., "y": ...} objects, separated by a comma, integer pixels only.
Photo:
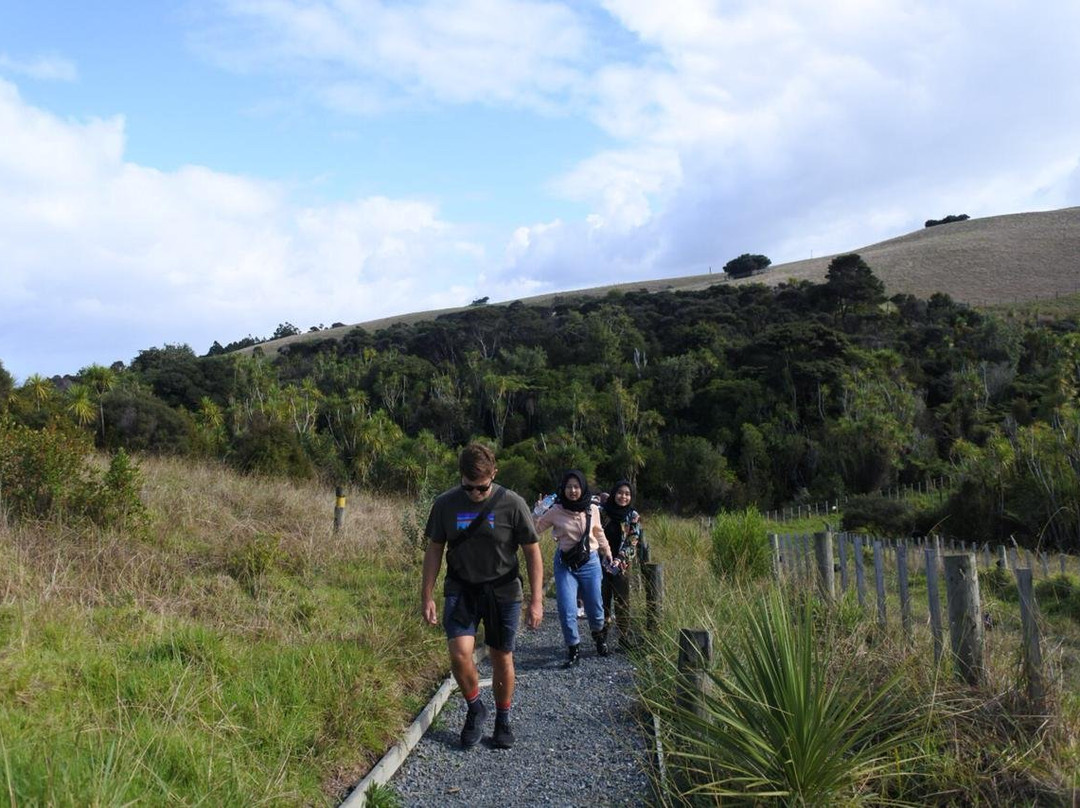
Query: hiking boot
[
  {"x": 600, "y": 638},
  {"x": 474, "y": 725},
  {"x": 572, "y": 655},
  {"x": 503, "y": 737}
]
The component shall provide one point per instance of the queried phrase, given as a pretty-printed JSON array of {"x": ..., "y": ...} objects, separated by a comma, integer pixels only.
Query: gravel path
[{"x": 580, "y": 737}]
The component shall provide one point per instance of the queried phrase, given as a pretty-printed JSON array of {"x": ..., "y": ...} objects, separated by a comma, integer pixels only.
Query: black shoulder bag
[{"x": 577, "y": 556}]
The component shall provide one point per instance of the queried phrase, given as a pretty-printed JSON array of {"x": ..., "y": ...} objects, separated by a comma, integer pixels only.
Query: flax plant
[{"x": 778, "y": 723}]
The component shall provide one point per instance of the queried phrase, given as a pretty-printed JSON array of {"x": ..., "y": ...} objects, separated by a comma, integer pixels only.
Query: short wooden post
[
  {"x": 695, "y": 653},
  {"x": 1045, "y": 565},
  {"x": 1032, "y": 647},
  {"x": 1003, "y": 557},
  {"x": 643, "y": 552},
  {"x": 339, "y": 507},
  {"x": 860, "y": 574},
  {"x": 986, "y": 555},
  {"x": 905, "y": 596},
  {"x": 823, "y": 553},
  {"x": 879, "y": 580},
  {"x": 965, "y": 616},
  {"x": 1061, "y": 561},
  {"x": 933, "y": 597},
  {"x": 654, "y": 594}
]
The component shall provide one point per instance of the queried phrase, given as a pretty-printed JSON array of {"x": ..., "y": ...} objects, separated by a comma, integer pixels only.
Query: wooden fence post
[
  {"x": 933, "y": 597},
  {"x": 842, "y": 548},
  {"x": 1032, "y": 647},
  {"x": 879, "y": 580},
  {"x": 860, "y": 575},
  {"x": 823, "y": 552},
  {"x": 965, "y": 616},
  {"x": 695, "y": 653},
  {"x": 339, "y": 507},
  {"x": 774, "y": 545},
  {"x": 1003, "y": 557},
  {"x": 654, "y": 594},
  {"x": 905, "y": 597}
]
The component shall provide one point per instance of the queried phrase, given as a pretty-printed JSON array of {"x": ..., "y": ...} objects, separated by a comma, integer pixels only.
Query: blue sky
[{"x": 199, "y": 170}]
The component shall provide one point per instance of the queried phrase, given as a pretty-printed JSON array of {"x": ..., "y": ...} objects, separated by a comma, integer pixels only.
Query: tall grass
[
  {"x": 800, "y": 694},
  {"x": 237, "y": 651}
]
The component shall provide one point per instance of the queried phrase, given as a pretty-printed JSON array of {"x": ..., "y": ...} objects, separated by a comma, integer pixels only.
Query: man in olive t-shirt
[{"x": 482, "y": 583}]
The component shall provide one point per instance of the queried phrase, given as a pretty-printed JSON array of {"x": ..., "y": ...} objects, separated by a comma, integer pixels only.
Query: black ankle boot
[
  {"x": 600, "y": 638},
  {"x": 572, "y": 652}
]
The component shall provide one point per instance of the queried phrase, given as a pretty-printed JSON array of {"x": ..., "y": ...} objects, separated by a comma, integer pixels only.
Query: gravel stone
[{"x": 581, "y": 738}]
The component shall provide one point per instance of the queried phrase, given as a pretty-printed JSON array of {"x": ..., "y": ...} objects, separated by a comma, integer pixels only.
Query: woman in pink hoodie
[{"x": 574, "y": 519}]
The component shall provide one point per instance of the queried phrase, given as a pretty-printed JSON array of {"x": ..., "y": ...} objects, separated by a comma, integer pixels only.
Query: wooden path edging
[{"x": 388, "y": 764}]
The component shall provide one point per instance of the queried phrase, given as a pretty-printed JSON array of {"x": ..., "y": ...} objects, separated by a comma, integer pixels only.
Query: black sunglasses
[{"x": 480, "y": 488}]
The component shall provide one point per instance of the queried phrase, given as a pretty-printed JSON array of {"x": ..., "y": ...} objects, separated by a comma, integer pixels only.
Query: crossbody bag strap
[
  {"x": 467, "y": 533},
  {"x": 588, "y": 528}
]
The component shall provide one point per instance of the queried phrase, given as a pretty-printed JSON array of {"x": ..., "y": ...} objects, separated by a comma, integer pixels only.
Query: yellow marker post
[{"x": 339, "y": 508}]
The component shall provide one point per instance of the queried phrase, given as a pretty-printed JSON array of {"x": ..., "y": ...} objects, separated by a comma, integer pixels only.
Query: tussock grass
[
  {"x": 904, "y": 729},
  {"x": 236, "y": 652}
]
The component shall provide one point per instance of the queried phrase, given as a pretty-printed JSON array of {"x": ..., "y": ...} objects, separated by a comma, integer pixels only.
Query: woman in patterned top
[{"x": 622, "y": 526}]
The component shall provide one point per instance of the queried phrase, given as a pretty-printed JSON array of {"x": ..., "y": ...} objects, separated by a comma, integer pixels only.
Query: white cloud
[
  {"x": 797, "y": 127},
  {"x": 46, "y": 67},
  {"x": 108, "y": 257},
  {"x": 362, "y": 57}
]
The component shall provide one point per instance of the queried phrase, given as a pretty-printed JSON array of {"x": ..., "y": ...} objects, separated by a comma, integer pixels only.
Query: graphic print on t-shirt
[{"x": 464, "y": 519}]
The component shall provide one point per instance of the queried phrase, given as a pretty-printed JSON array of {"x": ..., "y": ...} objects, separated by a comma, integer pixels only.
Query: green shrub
[
  {"x": 247, "y": 563},
  {"x": 1059, "y": 595},
  {"x": 998, "y": 582},
  {"x": 114, "y": 501},
  {"x": 879, "y": 516},
  {"x": 42, "y": 471},
  {"x": 740, "y": 545}
]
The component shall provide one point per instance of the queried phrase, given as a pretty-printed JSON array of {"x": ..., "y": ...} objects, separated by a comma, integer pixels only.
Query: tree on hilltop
[{"x": 745, "y": 265}]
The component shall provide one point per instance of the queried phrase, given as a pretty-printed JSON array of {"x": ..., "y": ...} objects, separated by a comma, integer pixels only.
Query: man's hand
[
  {"x": 427, "y": 609},
  {"x": 534, "y": 613}
]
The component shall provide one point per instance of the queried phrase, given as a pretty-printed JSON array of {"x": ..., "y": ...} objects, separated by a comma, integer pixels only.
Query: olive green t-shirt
[{"x": 491, "y": 551}]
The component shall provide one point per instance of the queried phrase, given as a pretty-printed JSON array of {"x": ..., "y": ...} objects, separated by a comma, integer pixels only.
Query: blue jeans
[{"x": 585, "y": 582}]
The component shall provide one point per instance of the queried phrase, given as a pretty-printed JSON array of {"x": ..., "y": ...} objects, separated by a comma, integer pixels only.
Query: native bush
[
  {"x": 49, "y": 473},
  {"x": 740, "y": 546},
  {"x": 41, "y": 471},
  {"x": 879, "y": 516},
  {"x": 785, "y": 719}
]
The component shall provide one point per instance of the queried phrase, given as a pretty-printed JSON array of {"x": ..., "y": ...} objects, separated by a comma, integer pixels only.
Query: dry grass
[{"x": 236, "y": 651}]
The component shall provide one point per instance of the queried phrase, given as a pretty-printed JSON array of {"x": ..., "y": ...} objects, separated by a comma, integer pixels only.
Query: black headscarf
[
  {"x": 581, "y": 504},
  {"x": 613, "y": 510}
]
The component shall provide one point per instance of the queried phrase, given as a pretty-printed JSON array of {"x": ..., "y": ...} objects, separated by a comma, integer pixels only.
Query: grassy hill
[{"x": 995, "y": 260}]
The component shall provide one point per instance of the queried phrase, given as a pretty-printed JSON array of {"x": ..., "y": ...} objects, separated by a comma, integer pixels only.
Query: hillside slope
[{"x": 998, "y": 259}]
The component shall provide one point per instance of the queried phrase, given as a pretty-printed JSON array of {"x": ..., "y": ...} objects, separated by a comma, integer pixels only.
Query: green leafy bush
[
  {"x": 41, "y": 471},
  {"x": 46, "y": 473},
  {"x": 740, "y": 547},
  {"x": 1059, "y": 595},
  {"x": 879, "y": 516}
]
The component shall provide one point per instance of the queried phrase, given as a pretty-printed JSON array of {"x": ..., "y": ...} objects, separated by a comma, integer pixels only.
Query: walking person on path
[
  {"x": 575, "y": 522},
  {"x": 481, "y": 525},
  {"x": 622, "y": 526}
]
